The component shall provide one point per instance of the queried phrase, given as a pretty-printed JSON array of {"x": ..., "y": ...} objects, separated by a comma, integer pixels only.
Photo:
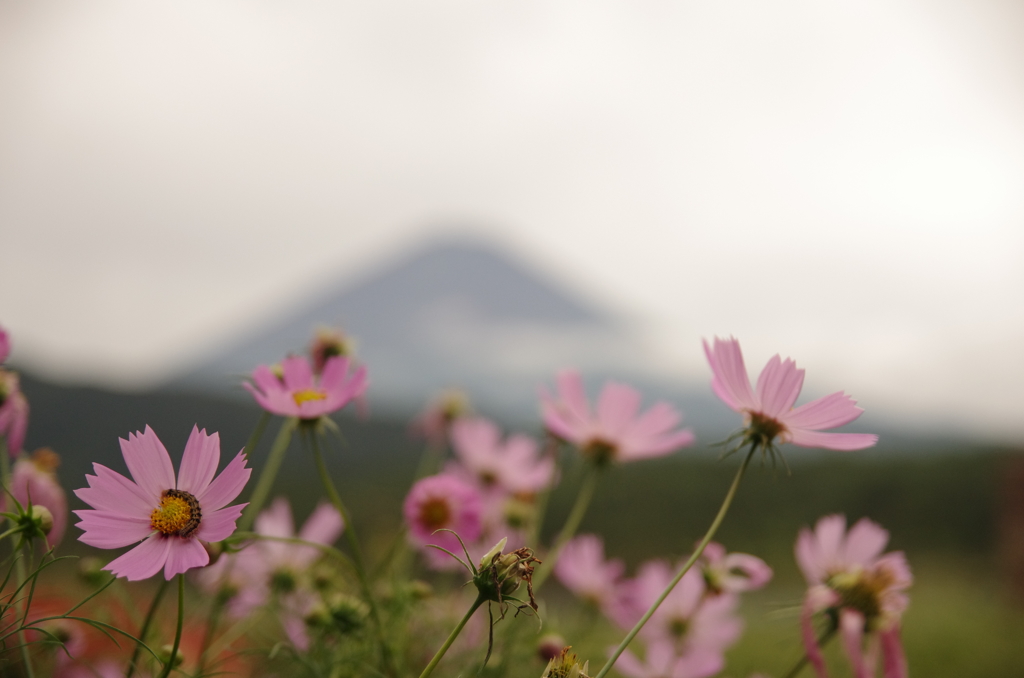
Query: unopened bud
[
  {"x": 165, "y": 656},
  {"x": 550, "y": 646},
  {"x": 500, "y": 575},
  {"x": 328, "y": 344},
  {"x": 420, "y": 590},
  {"x": 347, "y": 613},
  {"x": 283, "y": 581},
  {"x": 90, "y": 569},
  {"x": 42, "y": 519}
]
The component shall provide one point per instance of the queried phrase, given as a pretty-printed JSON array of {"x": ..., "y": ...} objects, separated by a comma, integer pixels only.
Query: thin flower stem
[
  {"x": 145, "y": 627},
  {"x": 451, "y": 637},
  {"x": 19, "y": 563},
  {"x": 169, "y": 666},
  {"x": 551, "y": 450},
  {"x": 268, "y": 474},
  {"x": 256, "y": 435},
  {"x": 26, "y": 657},
  {"x": 568, "y": 530},
  {"x": 357, "y": 552},
  {"x": 822, "y": 639},
  {"x": 211, "y": 628},
  {"x": 685, "y": 568}
]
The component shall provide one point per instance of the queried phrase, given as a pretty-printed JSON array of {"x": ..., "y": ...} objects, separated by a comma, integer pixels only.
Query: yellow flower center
[
  {"x": 307, "y": 395},
  {"x": 178, "y": 514},
  {"x": 434, "y": 514},
  {"x": 862, "y": 590}
]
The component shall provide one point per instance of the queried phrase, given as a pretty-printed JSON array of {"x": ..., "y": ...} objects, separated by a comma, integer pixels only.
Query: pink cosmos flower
[
  {"x": 298, "y": 393},
  {"x": 582, "y": 569},
  {"x": 33, "y": 478},
  {"x": 863, "y": 589},
  {"x": 13, "y": 412},
  {"x": 616, "y": 431},
  {"x": 443, "y": 502},
  {"x": 768, "y": 412},
  {"x": 699, "y": 626},
  {"x": 512, "y": 466},
  {"x": 266, "y": 565},
  {"x": 168, "y": 515},
  {"x": 733, "y": 572}
]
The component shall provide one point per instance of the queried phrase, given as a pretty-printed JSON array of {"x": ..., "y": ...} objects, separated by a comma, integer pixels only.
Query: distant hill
[{"x": 453, "y": 314}]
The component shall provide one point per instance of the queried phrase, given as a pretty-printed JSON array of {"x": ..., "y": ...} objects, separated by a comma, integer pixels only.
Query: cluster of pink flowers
[
  {"x": 270, "y": 570},
  {"x": 688, "y": 634},
  {"x": 484, "y": 494},
  {"x": 487, "y": 492},
  {"x": 862, "y": 591}
]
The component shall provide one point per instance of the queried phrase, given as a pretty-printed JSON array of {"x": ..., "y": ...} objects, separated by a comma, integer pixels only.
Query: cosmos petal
[
  {"x": 149, "y": 463},
  {"x": 617, "y": 407},
  {"x": 227, "y": 485},
  {"x": 143, "y": 561},
  {"x": 200, "y": 461},
  {"x": 183, "y": 555},
  {"x": 844, "y": 442},
  {"x": 110, "y": 530},
  {"x": 220, "y": 524},
  {"x": 298, "y": 373},
  {"x": 831, "y": 411},
  {"x": 778, "y": 386}
]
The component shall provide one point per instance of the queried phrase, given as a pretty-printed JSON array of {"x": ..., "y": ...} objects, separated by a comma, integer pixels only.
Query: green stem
[
  {"x": 19, "y": 563},
  {"x": 256, "y": 435},
  {"x": 177, "y": 632},
  {"x": 572, "y": 523},
  {"x": 822, "y": 639},
  {"x": 145, "y": 626},
  {"x": 268, "y": 474},
  {"x": 430, "y": 460},
  {"x": 211, "y": 629},
  {"x": 353, "y": 542},
  {"x": 451, "y": 637},
  {"x": 544, "y": 498},
  {"x": 686, "y": 567}
]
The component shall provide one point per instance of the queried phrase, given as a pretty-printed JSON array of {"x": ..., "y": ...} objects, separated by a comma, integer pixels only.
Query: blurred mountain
[{"x": 458, "y": 314}]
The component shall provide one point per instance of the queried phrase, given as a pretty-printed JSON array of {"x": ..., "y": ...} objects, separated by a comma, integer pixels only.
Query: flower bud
[
  {"x": 500, "y": 575},
  {"x": 420, "y": 590},
  {"x": 41, "y": 519},
  {"x": 327, "y": 344},
  {"x": 566, "y": 665},
  {"x": 550, "y": 646},
  {"x": 348, "y": 614},
  {"x": 90, "y": 569},
  {"x": 283, "y": 581},
  {"x": 165, "y": 656}
]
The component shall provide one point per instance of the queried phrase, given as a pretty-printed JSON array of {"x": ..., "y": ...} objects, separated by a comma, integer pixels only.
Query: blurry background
[{"x": 481, "y": 193}]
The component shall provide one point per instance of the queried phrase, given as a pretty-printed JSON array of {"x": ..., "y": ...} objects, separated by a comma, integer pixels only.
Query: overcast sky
[{"x": 841, "y": 182}]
